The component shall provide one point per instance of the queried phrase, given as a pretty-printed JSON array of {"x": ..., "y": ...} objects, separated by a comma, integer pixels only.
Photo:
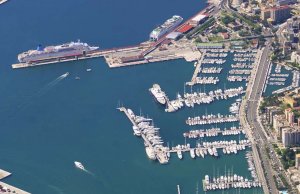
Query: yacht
[
  {"x": 150, "y": 153},
  {"x": 192, "y": 153},
  {"x": 65, "y": 74},
  {"x": 79, "y": 165},
  {"x": 179, "y": 153}
]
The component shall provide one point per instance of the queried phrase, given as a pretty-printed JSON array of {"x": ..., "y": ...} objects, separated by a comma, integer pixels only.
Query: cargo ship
[
  {"x": 71, "y": 49},
  {"x": 168, "y": 26}
]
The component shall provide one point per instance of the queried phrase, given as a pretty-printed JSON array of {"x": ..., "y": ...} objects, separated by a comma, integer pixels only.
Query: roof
[
  {"x": 173, "y": 35},
  {"x": 297, "y": 155},
  {"x": 185, "y": 28},
  {"x": 277, "y": 8},
  {"x": 199, "y": 17},
  {"x": 225, "y": 35},
  {"x": 209, "y": 44}
]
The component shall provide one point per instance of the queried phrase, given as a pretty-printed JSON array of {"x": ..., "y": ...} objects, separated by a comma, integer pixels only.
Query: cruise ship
[
  {"x": 71, "y": 49},
  {"x": 168, "y": 26}
]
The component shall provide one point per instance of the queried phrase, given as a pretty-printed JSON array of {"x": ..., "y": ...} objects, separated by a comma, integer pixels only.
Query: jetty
[
  {"x": 191, "y": 99},
  {"x": 152, "y": 141},
  {"x": 228, "y": 182},
  {"x": 213, "y": 132},
  {"x": 6, "y": 188},
  {"x": 155, "y": 150},
  {"x": 295, "y": 82},
  {"x": 197, "y": 69},
  {"x": 211, "y": 119}
]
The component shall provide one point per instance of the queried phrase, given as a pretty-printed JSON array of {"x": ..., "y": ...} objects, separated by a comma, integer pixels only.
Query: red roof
[
  {"x": 185, "y": 28},
  {"x": 225, "y": 35}
]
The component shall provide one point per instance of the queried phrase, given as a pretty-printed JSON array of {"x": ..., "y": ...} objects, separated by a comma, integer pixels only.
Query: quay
[
  {"x": 6, "y": 188},
  {"x": 128, "y": 56},
  {"x": 89, "y": 55},
  {"x": 146, "y": 52}
]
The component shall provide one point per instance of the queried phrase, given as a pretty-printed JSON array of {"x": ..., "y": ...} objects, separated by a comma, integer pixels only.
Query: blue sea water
[{"x": 47, "y": 122}]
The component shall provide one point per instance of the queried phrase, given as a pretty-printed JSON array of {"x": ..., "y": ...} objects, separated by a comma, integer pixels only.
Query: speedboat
[
  {"x": 79, "y": 165},
  {"x": 88, "y": 70},
  {"x": 66, "y": 74}
]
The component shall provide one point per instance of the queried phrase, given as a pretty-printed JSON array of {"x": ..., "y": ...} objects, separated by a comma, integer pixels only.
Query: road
[
  {"x": 252, "y": 116},
  {"x": 262, "y": 139},
  {"x": 259, "y": 136}
]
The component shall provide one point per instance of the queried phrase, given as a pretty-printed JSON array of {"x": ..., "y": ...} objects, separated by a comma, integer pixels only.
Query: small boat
[
  {"x": 79, "y": 165},
  {"x": 88, "y": 70},
  {"x": 65, "y": 74},
  {"x": 77, "y": 77}
]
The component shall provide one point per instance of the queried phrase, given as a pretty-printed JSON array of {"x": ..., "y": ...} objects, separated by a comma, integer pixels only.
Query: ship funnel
[{"x": 40, "y": 47}]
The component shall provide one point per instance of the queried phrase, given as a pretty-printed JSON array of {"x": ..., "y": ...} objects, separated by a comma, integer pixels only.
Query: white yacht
[
  {"x": 179, "y": 153},
  {"x": 192, "y": 153},
  {"x": 79, "y": 165},
  {"x": 150, "y": 153},
  {"x": 65, "y": 74},
  {"x": 159, "y": 95}
]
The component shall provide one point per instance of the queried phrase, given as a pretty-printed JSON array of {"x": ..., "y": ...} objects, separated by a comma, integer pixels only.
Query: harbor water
[{"x": 48, "y": 121}]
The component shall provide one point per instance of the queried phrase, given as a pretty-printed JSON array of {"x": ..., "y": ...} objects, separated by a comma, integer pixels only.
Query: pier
[
  {"x": 228, "y": 182},
  {"x": 147, "y": 143},
  {"x": 213, "y": 132},
  {"x": 154, "y": 148},
  {"x": 197, "y": 69},
  {"x": 295, "y": 82},
  {"x": 191, "y": 99},
  {"x": 6, "y": 188},
  {"x": 154, "y": 144},
  {"x": 211, "y": 119}
]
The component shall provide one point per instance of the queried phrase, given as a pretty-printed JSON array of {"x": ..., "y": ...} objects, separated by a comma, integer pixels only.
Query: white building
[
  {"x": 236, "y": 3},
  {"x": 295, "y": 57}
]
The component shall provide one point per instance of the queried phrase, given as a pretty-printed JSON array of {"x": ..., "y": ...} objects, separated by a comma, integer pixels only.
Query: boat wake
[
  {"x": 31, "y": 99},
  {"x": 51, "y": 84},
  {"x": 89, "y": 172},
  {"x": 57, "y": 189}
]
